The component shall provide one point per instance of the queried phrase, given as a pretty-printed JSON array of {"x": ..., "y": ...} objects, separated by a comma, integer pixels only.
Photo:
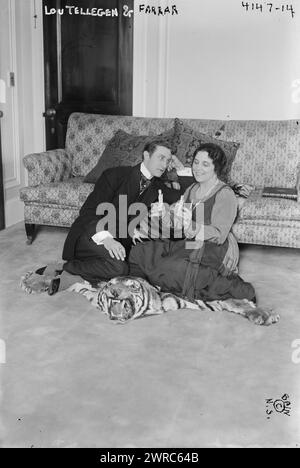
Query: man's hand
[
  {"x": 175, "y": 164},
  {"x": 158, "y": 209},
  {"x": 115, "y": 248}
]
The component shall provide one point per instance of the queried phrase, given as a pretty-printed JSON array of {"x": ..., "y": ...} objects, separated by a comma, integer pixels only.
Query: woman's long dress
[{"x": 164, "y": 262}]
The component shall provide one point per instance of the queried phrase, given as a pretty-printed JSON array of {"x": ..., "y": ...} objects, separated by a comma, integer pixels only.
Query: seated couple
[{"x": 206, "y": 271}]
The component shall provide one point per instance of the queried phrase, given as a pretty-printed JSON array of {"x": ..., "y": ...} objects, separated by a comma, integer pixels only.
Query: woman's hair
[
  {"x": 151, "y": 146},
  {"x": 215, "y": 153}
]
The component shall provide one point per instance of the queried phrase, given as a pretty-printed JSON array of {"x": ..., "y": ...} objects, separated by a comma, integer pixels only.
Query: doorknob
[{"x": 49, "y": 113}]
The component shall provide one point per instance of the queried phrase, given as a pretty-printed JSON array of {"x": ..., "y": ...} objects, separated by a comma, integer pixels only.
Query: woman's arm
[{"x": 222, "y": 217}]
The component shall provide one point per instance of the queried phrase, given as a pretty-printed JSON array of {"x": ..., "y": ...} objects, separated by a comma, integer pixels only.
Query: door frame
[
  {"x": 25, "y": 103},
  {"x": 38, "y": 78}
]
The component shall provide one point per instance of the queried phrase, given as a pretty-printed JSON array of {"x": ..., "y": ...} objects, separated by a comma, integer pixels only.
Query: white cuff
[{"x": 99, "y": 237}]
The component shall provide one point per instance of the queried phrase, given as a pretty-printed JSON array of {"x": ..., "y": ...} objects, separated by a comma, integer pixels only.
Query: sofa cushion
[
  {"x": 50, "y": 215},
  {"x": 124, "y": 150},
  {"x": 257, "y": 207},
  {"x": 71, "y": 193},
  {"x": 268, "y": 154},
  {"x": 272, "y": 233},
  {"x": 88, "y": 134},
  {"x": 186, "y": 140}
]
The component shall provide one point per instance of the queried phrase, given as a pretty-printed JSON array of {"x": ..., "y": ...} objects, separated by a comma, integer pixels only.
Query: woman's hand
[
  {"x": 193, "y": 231},
  {"x": 138, "y": 236},
  {"x": 182, "y": 218},
  {"x": 115, "y": 248},
  {"x": 186, "y": 218},
  {"x": 231, "y": 259}
]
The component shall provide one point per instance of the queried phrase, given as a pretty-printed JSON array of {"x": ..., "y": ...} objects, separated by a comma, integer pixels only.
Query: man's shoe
[{"x": 54, "y": 286}]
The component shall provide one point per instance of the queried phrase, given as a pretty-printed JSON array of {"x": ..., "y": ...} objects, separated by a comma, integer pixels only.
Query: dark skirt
[{"x": 164, "y": 263}]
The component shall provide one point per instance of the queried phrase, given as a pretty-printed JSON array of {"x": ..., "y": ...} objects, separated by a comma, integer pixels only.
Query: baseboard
[{"x": 14, "y": 211}]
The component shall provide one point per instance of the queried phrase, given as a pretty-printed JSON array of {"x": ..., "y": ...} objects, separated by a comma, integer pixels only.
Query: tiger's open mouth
[{"x": 120, "y": 309}]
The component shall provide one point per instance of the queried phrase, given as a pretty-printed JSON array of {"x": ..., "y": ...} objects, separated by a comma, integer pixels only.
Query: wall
[
  {"x": 22, "y": 124},
  {"x": 215, "y": 60}
]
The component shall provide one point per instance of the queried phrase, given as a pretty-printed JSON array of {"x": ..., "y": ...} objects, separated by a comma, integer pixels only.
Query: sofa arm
[{"x": 47, "y": 167}]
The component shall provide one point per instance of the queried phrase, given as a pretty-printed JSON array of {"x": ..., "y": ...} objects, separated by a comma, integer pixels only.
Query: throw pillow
[
  {"x": 186, "y": 140},
  {"x": 124, "y": 150}
]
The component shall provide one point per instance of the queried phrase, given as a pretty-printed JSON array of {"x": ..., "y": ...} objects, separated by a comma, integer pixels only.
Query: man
[{"x": 95, "y": 256}]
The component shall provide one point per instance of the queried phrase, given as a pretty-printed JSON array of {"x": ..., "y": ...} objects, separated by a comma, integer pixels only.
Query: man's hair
[
  {"x": 151, "y": 146},
  {"x": 216, "y": 154}
]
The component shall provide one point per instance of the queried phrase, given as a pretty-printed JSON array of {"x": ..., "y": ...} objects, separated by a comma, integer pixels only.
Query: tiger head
[{"x": 126, "y": 298}]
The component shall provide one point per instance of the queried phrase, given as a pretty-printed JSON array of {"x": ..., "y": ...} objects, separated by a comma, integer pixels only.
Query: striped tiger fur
[{"x": 126, "y": 298}]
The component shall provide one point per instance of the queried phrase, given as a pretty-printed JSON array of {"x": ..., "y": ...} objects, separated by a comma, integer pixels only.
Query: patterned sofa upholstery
[{"x": 268, "y": 156}]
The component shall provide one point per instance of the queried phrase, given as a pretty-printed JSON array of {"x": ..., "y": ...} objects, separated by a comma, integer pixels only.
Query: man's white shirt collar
[{"x": 146, "y": 173}]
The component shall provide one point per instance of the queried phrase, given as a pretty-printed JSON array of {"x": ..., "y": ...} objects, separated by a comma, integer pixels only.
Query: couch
[{"x": 268, "y": 155}]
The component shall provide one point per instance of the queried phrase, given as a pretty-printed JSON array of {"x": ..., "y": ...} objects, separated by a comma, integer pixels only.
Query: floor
[{"x": 185, "y": 379}]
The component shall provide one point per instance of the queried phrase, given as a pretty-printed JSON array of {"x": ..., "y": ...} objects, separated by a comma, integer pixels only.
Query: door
[{"x": 88, "y": 62}]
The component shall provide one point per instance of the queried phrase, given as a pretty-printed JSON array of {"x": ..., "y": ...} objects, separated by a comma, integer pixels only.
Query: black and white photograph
[{"x": 149, "y": 226}]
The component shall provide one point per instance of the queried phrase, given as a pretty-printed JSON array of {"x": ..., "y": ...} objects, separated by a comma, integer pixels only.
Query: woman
[{"x": 195, "y": 269}]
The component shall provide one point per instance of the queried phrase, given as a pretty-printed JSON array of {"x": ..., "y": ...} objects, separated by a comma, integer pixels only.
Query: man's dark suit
[{"x": 86, "y": 258}]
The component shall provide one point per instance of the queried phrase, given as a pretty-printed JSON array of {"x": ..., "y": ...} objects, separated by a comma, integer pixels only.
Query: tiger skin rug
[{"x": 127, "y": 298}]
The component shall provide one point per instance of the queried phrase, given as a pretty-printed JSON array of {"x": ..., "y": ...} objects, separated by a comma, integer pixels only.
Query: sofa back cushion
[
  {"x": 268, "y": 154},
  {"x": 124, "y": 149},
  {"x": 88, "y": 135}
]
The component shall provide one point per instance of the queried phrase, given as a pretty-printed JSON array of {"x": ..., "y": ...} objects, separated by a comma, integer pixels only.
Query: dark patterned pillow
[
  {"x": 186, "y": 140},
  {"x": 124, "y": 150}
]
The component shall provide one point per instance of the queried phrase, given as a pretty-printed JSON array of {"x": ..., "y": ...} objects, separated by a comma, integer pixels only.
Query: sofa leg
[{"x": 29, "y": 228}]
